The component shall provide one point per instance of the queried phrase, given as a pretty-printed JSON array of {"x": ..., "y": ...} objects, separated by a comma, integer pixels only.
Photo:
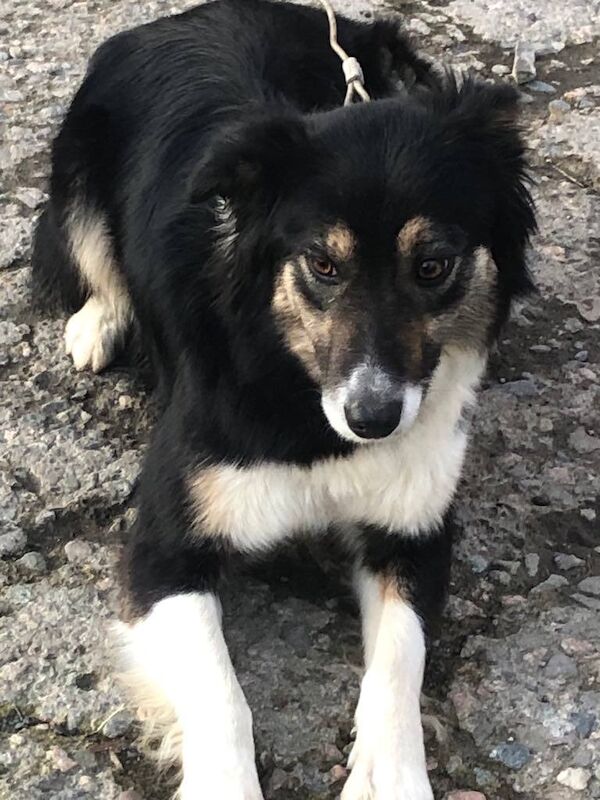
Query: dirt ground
[{"x": 513, "y": 683}]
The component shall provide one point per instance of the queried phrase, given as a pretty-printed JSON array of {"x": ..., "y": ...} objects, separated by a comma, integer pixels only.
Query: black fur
[{"x": 241, "y": 98}]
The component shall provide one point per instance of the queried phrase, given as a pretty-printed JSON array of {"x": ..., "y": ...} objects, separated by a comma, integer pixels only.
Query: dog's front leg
[
  {"x": 176, "y": 660},
  {"x": 401, "y": 582},
  {"x": 180, "y": 657}
]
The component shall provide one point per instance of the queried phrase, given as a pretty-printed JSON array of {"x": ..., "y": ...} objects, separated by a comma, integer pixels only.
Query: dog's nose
[{"x": 372, "y": 417}]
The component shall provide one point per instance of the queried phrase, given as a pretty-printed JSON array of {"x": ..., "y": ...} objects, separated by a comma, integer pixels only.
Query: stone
[
  {"x": 551, "y": 584},
  {"x": 532, "y": 563},
  {"x": 541, "y": 87},
  {"x": 60, "y": 759},
  {"x": 566, "y": 561},
  {"x": 585, "y": 722},
  {"x": 12, "y": 543},
  {"x": 117, "y": 724},
  {"x": 465, "y": 794},
  {"x": 479, "y": 564},
  {"x": 524, "y": 62},
  {"x": 560, "y": 665},
  {"x": 589, "y": 308},
  {"x": 78, "y": 551},
  {"x": 583, "y": 442},
  {"x": 590, "y": 585},
  {"x": 575, "y": 778},
  {"x": 32, "y": 562},
  {"x": 129, "y": 794},
  {"x": 500, "y": 70},
  {"x": 588, "y": 602},
  {"x": 521, "y": 388},
  {"x": 512, "y": 754}
]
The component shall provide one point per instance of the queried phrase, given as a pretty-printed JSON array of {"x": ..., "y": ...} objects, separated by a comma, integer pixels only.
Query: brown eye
[
  {"x": 434, "y": 270},
  {"x": 323, "y": 269}
]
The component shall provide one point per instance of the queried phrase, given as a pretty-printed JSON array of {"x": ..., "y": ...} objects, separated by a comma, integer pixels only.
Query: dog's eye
[
  {"x": 323, "y": 269},
  {"x": 432, "y": 271}
]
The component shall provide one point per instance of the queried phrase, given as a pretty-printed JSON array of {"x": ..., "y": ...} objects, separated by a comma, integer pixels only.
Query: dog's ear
[
  {"x": 484, "y": 118},
  {"x": 257, "y": 158}
]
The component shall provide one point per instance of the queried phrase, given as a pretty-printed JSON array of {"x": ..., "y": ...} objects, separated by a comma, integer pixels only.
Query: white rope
[{"x": 355, "y": 80}]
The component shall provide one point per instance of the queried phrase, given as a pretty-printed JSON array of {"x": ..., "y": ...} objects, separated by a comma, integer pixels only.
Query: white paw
[
  {"x": 216, "y": 784},
  {"x": 91, "y": 335},
  {"x": 380, "y": 773}
]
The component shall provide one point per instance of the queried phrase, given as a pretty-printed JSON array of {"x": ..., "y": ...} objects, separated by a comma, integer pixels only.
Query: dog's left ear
[
  {"x": 258, "y": 158},
  {"x": 484, "y": 117}
]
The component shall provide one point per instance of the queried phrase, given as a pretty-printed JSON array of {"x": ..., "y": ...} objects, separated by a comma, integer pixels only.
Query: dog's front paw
[
  {"x": 91, "y": 335},
  {"x": 378, "y": 774},
  {"x": 217, "y": 785}
]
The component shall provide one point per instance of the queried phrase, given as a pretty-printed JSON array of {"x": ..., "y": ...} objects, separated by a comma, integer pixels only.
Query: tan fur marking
[
  {"x": 390, "y": 590},
  {"x": 413, "y": 338},
  {"x": 301, "y": 325},
  {"x": 209, "y": 503},
  {"x": 341, "y": 242},
  {"x": 468, "y": 323},
  {"x": 412, "y": 233}
]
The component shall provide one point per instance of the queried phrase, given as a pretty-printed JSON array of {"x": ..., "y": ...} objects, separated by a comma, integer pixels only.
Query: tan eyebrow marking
[
  {"x": 341, "y": 241},
  {"x": 412, "y": 233}
]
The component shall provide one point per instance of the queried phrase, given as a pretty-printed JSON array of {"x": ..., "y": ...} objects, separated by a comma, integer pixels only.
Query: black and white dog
[{"x": 318, "y": 287}]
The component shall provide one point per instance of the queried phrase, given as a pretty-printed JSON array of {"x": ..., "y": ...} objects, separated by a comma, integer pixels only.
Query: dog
[{"x": 318, "y": 288}]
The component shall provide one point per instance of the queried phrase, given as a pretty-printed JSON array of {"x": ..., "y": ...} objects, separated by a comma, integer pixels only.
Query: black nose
[{"x": 372, "y": 418}]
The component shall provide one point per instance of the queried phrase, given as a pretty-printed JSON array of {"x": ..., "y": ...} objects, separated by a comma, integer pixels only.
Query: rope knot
[
  {"x": 355, "y": 80},
  {"x": 352, "y": 70}
]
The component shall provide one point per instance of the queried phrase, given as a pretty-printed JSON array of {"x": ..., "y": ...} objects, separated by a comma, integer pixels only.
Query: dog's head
[{"x": 377, "y": 235}]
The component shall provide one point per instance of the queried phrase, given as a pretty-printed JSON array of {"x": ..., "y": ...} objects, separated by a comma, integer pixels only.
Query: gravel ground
[{"x": 513, "y": 684}]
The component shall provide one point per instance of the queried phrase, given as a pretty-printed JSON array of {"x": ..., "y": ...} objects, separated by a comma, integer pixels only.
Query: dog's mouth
[{"x": 370, "y": 406}]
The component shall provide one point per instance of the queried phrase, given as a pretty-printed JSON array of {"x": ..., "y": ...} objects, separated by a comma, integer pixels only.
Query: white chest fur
[{"x": 402, "y": 484}]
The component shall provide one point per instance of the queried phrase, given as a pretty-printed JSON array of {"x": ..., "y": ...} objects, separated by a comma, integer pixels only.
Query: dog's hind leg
[{"x": 98, "y": 329}]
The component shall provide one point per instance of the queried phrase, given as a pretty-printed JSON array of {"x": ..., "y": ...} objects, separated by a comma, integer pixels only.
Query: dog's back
[{"x": 179, "y": 79}]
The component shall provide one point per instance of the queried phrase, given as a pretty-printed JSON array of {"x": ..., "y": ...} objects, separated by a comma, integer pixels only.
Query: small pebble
[
  {"x": 558, "y": 109},
  {"x": 585, "y": 722},
  {"x": 60, "y": 759},
  {"x": 532, "y": 563},
  {"x": 521, "y": 388},
  {"x": 581, "y": 441},
  {"x": 541, "y": 86},
  {"x": 129, "y": 794},
  {"x": 12, "y": 543},
  {"x": 588, "y": 602},
  {"x": 566, "y": 561},
  {"x": 560, "y": 665},
  {"x": 338, "y": 773},
  {"x": 512, "y": 754},
  {"x": 32, "y": 562},
  {"x": 551, "y": 583},
  {"x": 78, "y": 551},
  {"x": 590, "y": 585},
  {"x": 500, "y": 70},
  {"x": 575, "y": 778},
  {"x": 524, "y": 63},
  {"x": 465, "y": 794},
  {"x": 117, "y": 725}
]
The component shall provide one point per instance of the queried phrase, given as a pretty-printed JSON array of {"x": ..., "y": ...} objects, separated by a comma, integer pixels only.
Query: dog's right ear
[{"x": 257, "y": 158}]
